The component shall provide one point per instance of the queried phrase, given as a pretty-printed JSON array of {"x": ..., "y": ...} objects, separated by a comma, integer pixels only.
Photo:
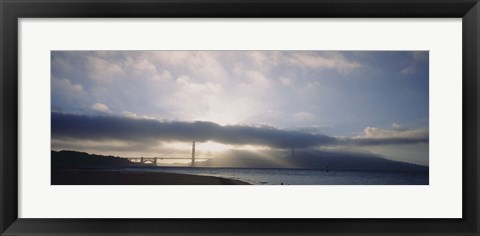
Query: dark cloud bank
[
  {"x": 307, "y": 155},
  {"x": 122, "y": 128},
  {"x": 127, "y": 129}
]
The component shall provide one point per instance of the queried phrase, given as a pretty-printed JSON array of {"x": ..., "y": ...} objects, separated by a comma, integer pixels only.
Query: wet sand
[{"x": 113, "y": 177}]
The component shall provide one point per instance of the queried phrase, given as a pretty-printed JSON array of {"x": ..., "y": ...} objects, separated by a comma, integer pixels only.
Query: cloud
[
  {"x": 303, "y": 116},
  {"x": 328, "y": 61},
  {"x": 103, "y": 70},
  {"x": 420, "y": 55},
  {"x": 68, "y": 89},
  {"x": 100, "y": 107},
  {"x": 122, "y": 128},
  {"x": 175, "y": 85},
  {"x": 206, "y": 65},
  {"x": 68, "y": 95},
  {"x": 399, "y": 127},
  {"x": 67, "y": 84},
  {"x": 265, "y": 60},
  {"x": 286, "y": 81},
  {"x": 187, "y": 86},
  {"x": 81, "y": 127},
  {"x": 143, "y": 68},
  {"x": 132, "y": 115},
  {"x": 254, "y": 79},
  {"x": 408, "y": 71},
  {"x": 400, "y": 135}
]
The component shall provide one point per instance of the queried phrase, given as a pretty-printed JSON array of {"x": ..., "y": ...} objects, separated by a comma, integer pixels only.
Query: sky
[{"x": 142, "y": 103}]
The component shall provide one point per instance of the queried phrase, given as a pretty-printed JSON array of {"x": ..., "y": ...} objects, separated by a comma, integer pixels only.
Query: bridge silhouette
[{"x": 154, "y": 160}]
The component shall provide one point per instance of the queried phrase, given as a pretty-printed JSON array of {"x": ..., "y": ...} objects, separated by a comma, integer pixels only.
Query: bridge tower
[
  {"x": 141, "y": 160},
  {"x": 193, "y": 153},
  {"x": 155, "y": 161}
]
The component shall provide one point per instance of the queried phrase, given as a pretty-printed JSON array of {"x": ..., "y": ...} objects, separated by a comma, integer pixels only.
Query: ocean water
[{"x": 305, "y": 177}]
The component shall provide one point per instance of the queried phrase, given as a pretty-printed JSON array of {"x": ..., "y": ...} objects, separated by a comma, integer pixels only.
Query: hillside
[
  {"x": 308, "y": 159},
  {"x": 73, "y": 159}
]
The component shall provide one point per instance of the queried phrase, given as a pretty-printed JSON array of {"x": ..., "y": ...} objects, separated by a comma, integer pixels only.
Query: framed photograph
[{"x": 322, "y": 117}]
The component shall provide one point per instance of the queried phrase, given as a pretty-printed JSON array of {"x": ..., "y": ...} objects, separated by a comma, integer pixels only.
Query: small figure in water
[
  {"x": 328, "y": 169},
  {"x": 281, "y": 183}
]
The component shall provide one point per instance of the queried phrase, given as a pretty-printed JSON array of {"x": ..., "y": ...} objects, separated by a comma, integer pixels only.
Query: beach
[{"x": 121, "y": 177}]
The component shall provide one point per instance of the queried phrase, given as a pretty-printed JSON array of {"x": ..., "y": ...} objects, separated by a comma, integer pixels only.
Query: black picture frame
[{"x": 12, "y": 10}]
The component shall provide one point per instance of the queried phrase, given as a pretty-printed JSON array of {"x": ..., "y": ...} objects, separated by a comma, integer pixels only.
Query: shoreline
[{"x": 122, "y": 177}]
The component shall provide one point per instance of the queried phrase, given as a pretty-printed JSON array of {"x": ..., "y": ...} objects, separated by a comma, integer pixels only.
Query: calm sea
[{"x": 305, "y": 177}]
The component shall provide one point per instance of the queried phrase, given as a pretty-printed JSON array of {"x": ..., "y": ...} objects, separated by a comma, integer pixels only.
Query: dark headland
[{"x": 77, "y": 168}]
